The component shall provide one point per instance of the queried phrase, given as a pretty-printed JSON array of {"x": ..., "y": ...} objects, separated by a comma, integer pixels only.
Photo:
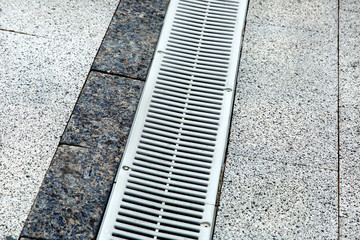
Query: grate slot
[
  {"x": 194, "y": 163},
  {"x": 178, "y": 141},
  {"x": 193, "y": 227},
  {"x": 166, "y": 185},
  {"x": 173, "y": 182},
  {"x": 126, "y": 227}
]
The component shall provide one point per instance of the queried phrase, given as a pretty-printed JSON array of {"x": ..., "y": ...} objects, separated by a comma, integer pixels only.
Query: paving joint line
[
  {"x": 117, "y": 74},
  {"x": 72, "y": 145},
  {"x": 23, "y": 33},
  {"x": 338, "y": 116}
]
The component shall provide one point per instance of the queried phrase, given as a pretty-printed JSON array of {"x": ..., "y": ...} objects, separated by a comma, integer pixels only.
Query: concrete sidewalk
[
  {"x": 293, "y": 161},
  {"x": 292, "y": 168}
]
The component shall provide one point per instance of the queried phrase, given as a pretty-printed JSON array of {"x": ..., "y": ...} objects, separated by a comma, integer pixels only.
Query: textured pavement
[{"x": 293, "y": 161}]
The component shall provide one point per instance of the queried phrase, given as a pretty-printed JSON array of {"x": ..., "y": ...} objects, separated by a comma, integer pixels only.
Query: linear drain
[{"x": 167, "y": 182}]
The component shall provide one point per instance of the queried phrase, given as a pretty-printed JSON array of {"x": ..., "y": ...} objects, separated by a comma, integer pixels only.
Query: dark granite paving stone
[
  {"x": 73, "y": 195},
  {"x": 131, "y": 39},
  {"x": 103, "y": 115}
]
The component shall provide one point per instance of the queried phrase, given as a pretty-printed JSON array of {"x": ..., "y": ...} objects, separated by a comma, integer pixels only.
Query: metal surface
[{"x": 167, "y": 182}]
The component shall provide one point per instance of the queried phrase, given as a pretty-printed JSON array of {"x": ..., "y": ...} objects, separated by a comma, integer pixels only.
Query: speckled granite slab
[
  {"x": 131, "y": 39},
  {"x": 74, "y": 193},
  {"x": 104, "y": 112}
]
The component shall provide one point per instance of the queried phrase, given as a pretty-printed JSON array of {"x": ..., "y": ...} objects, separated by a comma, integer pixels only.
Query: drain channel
[{"x": 167, "y": 182}]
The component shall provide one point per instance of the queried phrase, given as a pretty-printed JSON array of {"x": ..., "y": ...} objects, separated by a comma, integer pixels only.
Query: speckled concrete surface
[
  {"x": 349, "y": 38},
  {"x": 289, "y": 58},
  {"x": 320, "y": 16},
  {"x": 349, "y": 124},
  {"x": 131, "y": 38},
  {"x": 281, "y": 172},
  {"x": 285, "y": 125},
  {"x": 272, "y": 200},
  {"x": 350, "y": 229},
  {"x": 58, "y": 18},
  {"x": 42, "y": 70},
  {"x": 350, "y": 5}
]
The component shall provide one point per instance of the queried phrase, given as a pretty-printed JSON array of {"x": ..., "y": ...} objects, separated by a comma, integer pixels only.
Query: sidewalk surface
[{"x": 72, "y": 72}]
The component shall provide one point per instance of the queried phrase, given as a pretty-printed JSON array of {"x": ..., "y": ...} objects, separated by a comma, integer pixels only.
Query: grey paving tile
[
  {"x": 290, "y": 58},
  {"x": 262, "y": 199},
  {"x": 73, "y": 195},
  {"x": 58, "y": 18},
  {"x": 104, "y": 113},
  {"x": 349, "y": 38},
  {"x": 318, "y": 16},
  {"x": 285, "y": 125},
  {"x": 131, "y": 39},
  {"x": 350, "y": 229},
  {"x": 350, "y": 5}
]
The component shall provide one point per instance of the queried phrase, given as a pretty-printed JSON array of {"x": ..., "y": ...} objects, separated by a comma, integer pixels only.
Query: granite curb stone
[
  {"x": 131, "y": 39},
  {"x": 74, "y": 193},
  {"x": 104, "y": 112}
]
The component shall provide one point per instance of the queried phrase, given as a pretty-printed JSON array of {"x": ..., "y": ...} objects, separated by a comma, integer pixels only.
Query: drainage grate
[{"x": 167, "y": 182}]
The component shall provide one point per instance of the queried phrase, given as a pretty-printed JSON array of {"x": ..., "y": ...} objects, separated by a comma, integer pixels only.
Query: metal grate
[{"x": 167, "y": 182}]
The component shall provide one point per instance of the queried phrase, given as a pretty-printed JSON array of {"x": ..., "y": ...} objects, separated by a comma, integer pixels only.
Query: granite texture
[
  {"x": 74, "y": 193},
  {"x": 350, "y": 5},
  {"x": 320, "y": 16},
  {"x": 350, "y": 229},
  {"x": 263, "y": 199},
  {"x": 104, "y": 112},
  {"x": 58, "y": 18},
  {"x": 285, "y": 125},
  {"x": 131, "y": 39},
  {"x": 349, "y": 38},
  {"x": 289, "y": 58}
]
